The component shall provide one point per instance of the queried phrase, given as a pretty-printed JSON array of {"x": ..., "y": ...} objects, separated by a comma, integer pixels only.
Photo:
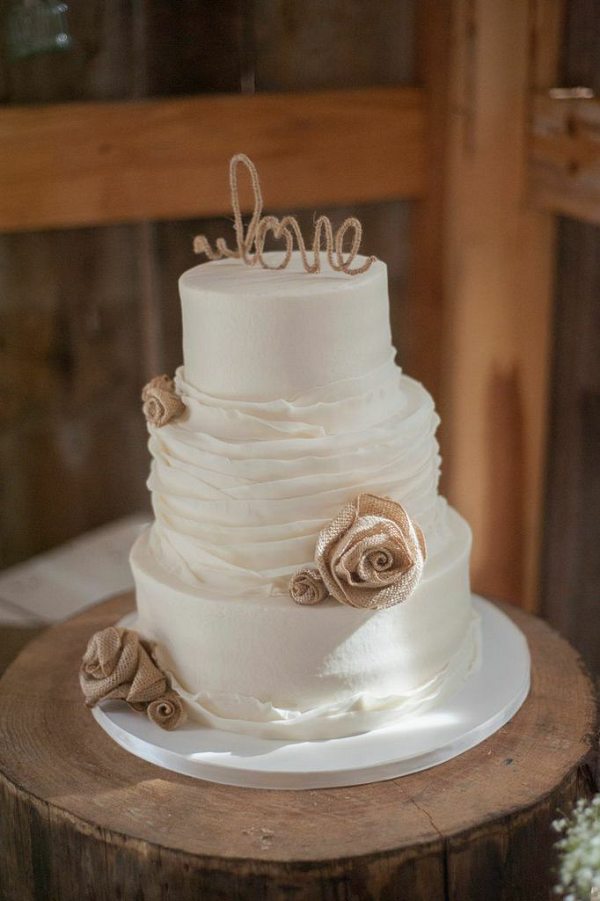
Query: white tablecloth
[{"x": 55, "y": 585}]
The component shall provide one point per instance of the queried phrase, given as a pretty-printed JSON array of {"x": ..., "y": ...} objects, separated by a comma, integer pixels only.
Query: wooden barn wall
[
  {"x": 571, "y": 559},
  {"x": 87, "y": 315}
]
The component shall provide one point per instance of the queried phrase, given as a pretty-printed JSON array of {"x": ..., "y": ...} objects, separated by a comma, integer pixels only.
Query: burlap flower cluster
[
  {"x": 161, "y": 403},
  {"x": 371, "y": 555},
  {"x": 117, "y": 665}
]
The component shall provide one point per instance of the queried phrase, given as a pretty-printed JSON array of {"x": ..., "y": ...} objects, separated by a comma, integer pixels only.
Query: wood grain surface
[
  {"x": 571, "y": 563},
  {"x": 498, "y": 272},
  {"x": 84, "y": 819},
  {"x": 426, "y": 299},
  {"x": 166, "y": 159}
]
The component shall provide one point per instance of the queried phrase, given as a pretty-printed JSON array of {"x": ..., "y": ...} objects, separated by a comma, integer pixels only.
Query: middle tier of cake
[{"x": 241, "y": 489}]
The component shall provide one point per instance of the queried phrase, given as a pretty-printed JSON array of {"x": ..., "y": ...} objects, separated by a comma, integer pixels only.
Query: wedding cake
[{"x": 302, "y": 578}]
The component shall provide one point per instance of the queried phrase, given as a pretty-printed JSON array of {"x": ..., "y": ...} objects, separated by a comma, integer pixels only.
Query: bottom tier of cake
[{"x": 271, "y": 668}]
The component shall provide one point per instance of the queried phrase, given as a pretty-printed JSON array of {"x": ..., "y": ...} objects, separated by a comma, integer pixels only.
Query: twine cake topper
[{"x": 251, "y": 244}]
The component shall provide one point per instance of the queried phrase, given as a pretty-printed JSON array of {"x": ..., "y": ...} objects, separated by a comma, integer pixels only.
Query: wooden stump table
[{"x": 80, "y": 818}]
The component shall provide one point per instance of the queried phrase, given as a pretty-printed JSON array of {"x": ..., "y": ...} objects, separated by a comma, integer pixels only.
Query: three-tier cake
[{"x": 296, "y": 449}]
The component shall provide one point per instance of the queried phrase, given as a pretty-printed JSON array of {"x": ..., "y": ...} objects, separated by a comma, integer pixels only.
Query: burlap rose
[
  {"x": 167, "y": 711},
  {"x": 161, "y": 401},
  {"x": 371, "y": 555},
  {"x": 117, "y": 665},
  {"x": 307, "y": 587}
]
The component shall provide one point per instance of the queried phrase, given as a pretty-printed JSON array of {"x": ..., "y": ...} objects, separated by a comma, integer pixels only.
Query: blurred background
[{"x": 463, "y": 133}]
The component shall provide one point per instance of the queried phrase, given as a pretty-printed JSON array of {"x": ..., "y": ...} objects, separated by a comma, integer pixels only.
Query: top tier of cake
[{"x": 257, "y": 334}]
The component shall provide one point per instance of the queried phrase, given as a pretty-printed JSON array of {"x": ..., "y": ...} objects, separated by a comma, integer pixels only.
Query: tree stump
[{"x": 80, "y": 818}]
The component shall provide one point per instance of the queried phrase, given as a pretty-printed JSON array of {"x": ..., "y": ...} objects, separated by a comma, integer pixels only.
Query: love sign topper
[{"x": 251, "y": 243}]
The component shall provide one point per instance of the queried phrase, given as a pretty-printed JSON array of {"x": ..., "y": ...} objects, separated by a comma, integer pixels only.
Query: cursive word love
[{"x": 251, "y": 243}]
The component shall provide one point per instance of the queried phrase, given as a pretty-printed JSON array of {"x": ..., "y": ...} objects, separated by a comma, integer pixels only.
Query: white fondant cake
[{"x": 293, "y": 407}]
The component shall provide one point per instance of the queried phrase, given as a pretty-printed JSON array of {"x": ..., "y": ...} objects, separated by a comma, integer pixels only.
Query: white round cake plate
[{"x": 488, "y": 699}]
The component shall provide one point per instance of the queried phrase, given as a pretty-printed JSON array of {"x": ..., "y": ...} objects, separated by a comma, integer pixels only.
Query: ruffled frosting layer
[{"x": 241, "y": 489}]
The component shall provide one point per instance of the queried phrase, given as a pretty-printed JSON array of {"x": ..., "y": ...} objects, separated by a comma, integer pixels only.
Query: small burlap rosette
[
  {"x": 307, "y": 587},
  {"x": 117, "y": 665},
  {"x": 167, "y": 711},
  {"x": 161, "y": 403}
]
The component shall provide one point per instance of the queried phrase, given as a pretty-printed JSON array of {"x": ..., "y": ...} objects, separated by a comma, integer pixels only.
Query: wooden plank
[
  {"x": 99, "y": 163},
  {"x": 190, "y": 48},
  {"x": 313, "y": 45},
  {"x": 581, "y": 44},
  {"x": 571, "y": 570},
  {"x": 425, "y": 307},
  {"x": 564, "y": 155},
  {"x": 71, "y": 360},
  {"x": 571, "y": 563},
  {"x": 72, "y": 471},
  {"x": 499, "y": 266}
]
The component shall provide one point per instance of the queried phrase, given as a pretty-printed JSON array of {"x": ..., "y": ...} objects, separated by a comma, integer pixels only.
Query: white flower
[{"x": 579, "y": 851}]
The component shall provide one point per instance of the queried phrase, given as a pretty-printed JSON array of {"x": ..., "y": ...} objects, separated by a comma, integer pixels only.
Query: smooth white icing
[
  {"x": 252, "y": 333},
  {"x": 293, "y": 406}
]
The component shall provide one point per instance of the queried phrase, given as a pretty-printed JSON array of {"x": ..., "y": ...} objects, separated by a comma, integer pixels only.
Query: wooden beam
[
  {"x": 425, "y": 305},
  {"x": 95, "y": 163},
  {"x": 499, "y": 264},
  {"x": 564, "y": 155}
]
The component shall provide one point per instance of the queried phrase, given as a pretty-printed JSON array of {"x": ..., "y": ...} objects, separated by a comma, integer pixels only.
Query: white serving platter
[{"x": 489, "y": 698}]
